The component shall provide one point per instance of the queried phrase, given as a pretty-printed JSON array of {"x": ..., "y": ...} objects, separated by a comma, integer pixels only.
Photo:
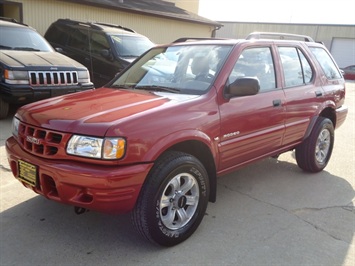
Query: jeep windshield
[
  {"x": 131, "y": 46},
  {"x": 186, "y": 69},
  {"x": 22, "y": 39}
]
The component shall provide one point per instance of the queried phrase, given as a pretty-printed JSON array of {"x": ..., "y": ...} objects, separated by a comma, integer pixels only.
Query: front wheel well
[{"x": 203, "y": 153}]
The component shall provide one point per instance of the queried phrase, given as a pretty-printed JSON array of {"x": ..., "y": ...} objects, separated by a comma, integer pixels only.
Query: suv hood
[
  {"x": 93, "y": 112},
  {"x": 37, "y": 59}
]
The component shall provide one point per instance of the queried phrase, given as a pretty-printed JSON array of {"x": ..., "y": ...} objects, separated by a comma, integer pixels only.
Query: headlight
[
  {"x": 16, "y": 77},
  {"x": 83, "y": 76},
  {"x": 100, "y": 148},
  {"x": 15, "y": 126}
]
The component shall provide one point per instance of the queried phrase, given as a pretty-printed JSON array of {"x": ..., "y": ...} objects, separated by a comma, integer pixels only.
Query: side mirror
[
  {"x": 243, "y": 87},
  {"x": 59, "y": 50},
  {"x": 106, "y": 54}
]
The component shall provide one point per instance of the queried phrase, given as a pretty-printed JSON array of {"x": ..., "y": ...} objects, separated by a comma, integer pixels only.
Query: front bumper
[
  {"x": 21, "y": 94},
  {"x": 102, "y": 188}
]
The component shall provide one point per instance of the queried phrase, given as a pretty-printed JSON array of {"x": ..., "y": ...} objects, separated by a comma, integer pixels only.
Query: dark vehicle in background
[
  {"x": 349, "y": 72},
  {"x": 31, "y": 70},
  {"x": 105, "y": 49}
]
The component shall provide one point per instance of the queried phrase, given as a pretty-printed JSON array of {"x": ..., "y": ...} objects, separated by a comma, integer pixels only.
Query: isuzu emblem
[{"x": 33, "y": 140}]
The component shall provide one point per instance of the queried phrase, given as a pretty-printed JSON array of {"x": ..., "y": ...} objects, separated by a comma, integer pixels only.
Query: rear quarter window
[
  {"x": 57, "y": 35},
  {"x": 326, "y": 62}
]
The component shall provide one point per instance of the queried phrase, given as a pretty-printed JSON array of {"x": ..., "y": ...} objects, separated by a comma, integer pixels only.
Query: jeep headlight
[
  {"x": 83, "y": 76},
  {"x": 16, "y": 77},
  {"x": 99, "y": 148}
]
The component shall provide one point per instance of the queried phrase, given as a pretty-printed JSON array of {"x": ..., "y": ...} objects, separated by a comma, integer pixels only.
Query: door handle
[
  {"x": 276, "y": 103},
  {"x": 318, "y": 93}
]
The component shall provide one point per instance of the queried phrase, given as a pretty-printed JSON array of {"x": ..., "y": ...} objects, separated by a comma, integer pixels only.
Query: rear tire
[
  {"x": 173, "y": 199},
  {"x": 313, "y": 153},
  {"x": 4, "y": 109}
]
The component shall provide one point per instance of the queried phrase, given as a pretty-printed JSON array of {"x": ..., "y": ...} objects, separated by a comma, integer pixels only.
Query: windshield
[
  {"x": 22, "y": 39},
  {"x": 189, "y": 69},
  {"x": 131, "y": 46}
]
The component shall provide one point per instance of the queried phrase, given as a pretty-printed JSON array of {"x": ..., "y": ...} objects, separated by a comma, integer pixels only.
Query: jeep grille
[
  {"x": 39, "y": 141},
  {"x": 53, "y": 78}
]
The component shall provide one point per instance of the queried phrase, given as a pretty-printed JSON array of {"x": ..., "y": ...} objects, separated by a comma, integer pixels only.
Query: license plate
[{"x": 27, "y": 173}]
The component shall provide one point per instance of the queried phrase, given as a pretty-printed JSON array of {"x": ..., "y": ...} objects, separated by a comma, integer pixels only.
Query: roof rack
[
  {"x": 95, "y": 25},
  {"x": 113, "y": 26},
  {"x": 281, "y": 36},
  {"x": 191, "y": 39}
]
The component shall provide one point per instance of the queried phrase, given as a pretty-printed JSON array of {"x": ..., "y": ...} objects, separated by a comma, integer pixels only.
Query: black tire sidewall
[
  {"x": 4, "y": 108},
  {"x": 305, "y": 152},
  {"x": 325, "y": 124},
  {"x": 159, "y": 232}
]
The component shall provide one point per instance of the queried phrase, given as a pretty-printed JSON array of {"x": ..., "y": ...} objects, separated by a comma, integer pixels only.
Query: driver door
[{"x": 252, "y": 126}]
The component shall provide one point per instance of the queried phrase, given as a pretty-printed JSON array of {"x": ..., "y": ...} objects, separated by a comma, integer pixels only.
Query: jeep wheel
[
  {"x": 173, "y": 199},
  {"x": 4, "y": 109},
  {"x": 314, "y": 153}
]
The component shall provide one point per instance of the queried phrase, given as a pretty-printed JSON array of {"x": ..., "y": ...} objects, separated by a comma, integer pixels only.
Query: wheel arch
[
  {"x": 195, "y": 143},
  {"x": 328, "y": 112},
  {"x": 203, "y": 153}
]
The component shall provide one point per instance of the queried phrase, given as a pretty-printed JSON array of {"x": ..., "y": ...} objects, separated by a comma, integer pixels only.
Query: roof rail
[
  {"x": 114, "y": 26},
  {"x": 281, "y": 36},
  {"x": 95, "y": 25},
  {"x": 191, "y": 39}
]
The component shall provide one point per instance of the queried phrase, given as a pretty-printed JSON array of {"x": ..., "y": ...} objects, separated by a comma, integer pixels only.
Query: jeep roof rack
[
  {"x": 280, "y": 35},
  {"x": 94, "y": 24}
]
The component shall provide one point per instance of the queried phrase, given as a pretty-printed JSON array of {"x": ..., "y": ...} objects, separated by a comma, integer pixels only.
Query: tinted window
[
  {"x": 329, "y": 68},
  {"x": 57, "y": 35},
  {"x": 98, "y": 43},
  {"x": 79, "y": 39},
  {"x": 255, "y": 62},
  {"x": 297, "y": 71}
]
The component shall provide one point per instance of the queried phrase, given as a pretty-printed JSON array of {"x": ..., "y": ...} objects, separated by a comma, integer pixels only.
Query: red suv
[{"x": 155, "y": 139}]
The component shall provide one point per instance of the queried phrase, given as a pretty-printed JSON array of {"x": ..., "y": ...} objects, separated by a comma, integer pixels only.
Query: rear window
[{"x": 326, "y": 62}]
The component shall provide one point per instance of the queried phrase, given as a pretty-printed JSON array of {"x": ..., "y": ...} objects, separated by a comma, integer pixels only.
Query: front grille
[
  {"x": 39, "y": 141},
  {"x": 53, "y": 78}
]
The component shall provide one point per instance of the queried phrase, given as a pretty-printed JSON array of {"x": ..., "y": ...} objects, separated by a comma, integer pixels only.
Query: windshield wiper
[
  {"x": 26, "y": 49},
  {"x": 121, "y": 86},
  {"x": 157, "y": 88}
]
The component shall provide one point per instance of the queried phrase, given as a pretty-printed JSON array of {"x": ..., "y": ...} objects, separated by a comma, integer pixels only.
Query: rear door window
[{"x": 296, "y": 69}]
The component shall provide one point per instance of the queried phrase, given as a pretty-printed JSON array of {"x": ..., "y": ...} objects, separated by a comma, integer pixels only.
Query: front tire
[
  {"x": 173, "y": 199},
  {"x": 4, "y": 108},
  {"x": 313, "y": 154}
]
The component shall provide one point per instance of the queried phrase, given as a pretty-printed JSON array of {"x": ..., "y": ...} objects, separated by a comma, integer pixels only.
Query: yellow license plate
[{"x": 27, "y": 173}]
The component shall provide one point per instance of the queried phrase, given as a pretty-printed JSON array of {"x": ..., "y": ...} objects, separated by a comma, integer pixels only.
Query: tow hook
[{"x": 79, "y": 210}]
